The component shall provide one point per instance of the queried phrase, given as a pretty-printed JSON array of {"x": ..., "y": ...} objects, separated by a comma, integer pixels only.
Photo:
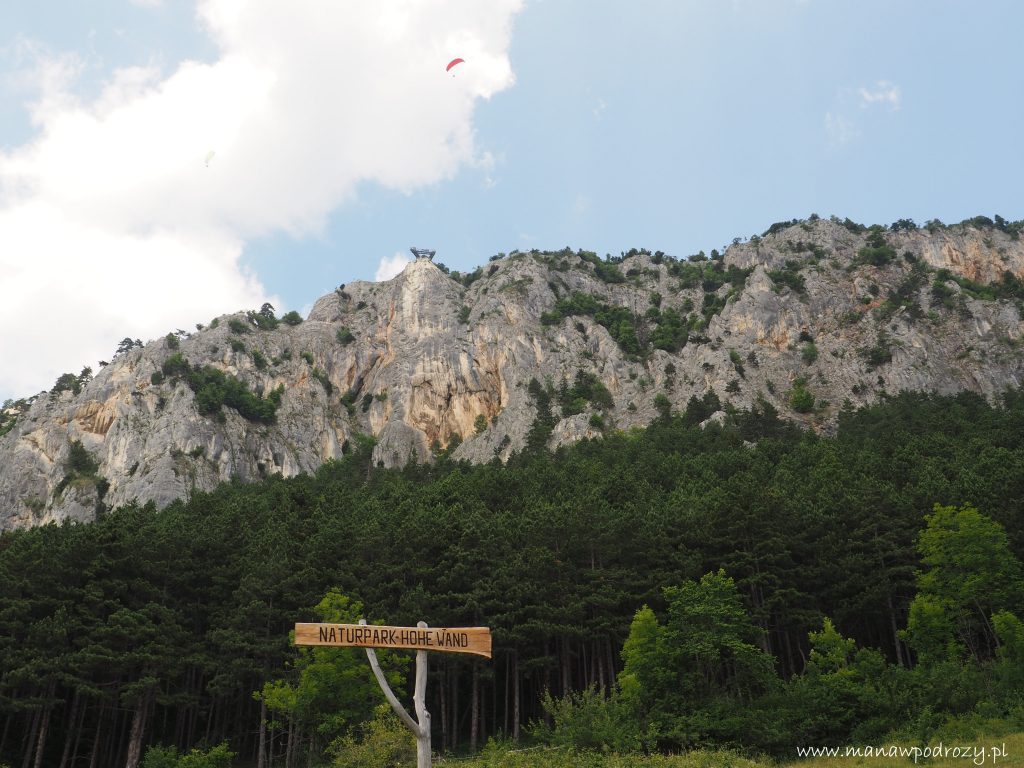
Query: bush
[
  {"x": 780, "y": 226},
  {"x": 877, "y": 257},
  {"x": 80, "y": 461},
  {"x": 662, "y": 405},
  {"x": 214, "y": 389},
  {"x": 879, "y": 354},
  {"x": 790, "y": 277},
  {"x": 238, "y": 326},
  {"x": 809, "y": 353},
  {"x": 291, "y": 318},
  {"x": 620, "y": 322},
  {"x": 589, "y": 720},
  {"x": 172, "y": 341},
  {"x": 344, "y": 336},
  {"x": 586, "y": 388},
  {"x": 383, "y": 742},
  {"x": 175, "y": 365},
  {"x": 324, "y": 381},
  {"x": 605, "y": 271},
  {"x": 65, "y": 382},
  {"x": 903, "y": 224},
  {"x": 265, "y": 319},
  {"x": 800, "y": 398},
  {"x": 167, "y": 757}
]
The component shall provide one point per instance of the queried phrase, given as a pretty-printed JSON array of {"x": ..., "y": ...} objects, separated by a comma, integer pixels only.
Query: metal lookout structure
[{"x": 423, "y": 253}]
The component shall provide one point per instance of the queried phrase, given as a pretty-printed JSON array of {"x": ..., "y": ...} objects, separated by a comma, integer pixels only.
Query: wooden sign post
[{"x": 421, "y": 638}]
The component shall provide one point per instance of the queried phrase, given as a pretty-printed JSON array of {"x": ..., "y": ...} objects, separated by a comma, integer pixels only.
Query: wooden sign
[{"x": 475, "y": 640}]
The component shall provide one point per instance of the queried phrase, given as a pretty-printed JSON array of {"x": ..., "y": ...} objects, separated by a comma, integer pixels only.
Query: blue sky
[{"x": 668, "y": 125}]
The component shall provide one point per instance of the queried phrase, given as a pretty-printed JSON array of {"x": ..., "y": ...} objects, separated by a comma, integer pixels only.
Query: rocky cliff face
[{"x": 805, "y": 318}]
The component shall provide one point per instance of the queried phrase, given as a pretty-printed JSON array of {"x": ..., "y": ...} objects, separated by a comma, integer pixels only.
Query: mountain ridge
[{"x": 550, "y": 346}]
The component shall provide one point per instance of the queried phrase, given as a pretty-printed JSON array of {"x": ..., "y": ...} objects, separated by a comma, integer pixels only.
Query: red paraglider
[{"x": 452, "y": 63}]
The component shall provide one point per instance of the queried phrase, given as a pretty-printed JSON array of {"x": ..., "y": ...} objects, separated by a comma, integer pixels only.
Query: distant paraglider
[
  {"x": 209, "y": 157},
  {"x": 452, "y": 63}
]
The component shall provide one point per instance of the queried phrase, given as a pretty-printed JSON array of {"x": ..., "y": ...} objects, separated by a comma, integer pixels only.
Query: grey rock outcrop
[{"x": 425, "y": 362}]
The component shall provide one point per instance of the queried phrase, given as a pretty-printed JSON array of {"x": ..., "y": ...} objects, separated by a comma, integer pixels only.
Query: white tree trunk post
[{"x": 421, "y": 726}]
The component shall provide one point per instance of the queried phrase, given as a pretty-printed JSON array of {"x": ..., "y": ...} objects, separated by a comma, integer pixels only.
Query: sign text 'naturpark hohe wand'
[{"x": 476, "y": 640}]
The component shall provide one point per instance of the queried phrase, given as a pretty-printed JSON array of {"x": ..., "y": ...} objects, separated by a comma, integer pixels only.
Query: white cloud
[
  {"x": 112, "y": 225},
  {"x": 883, "y": 93},
  {"x": 839, "y": 130},
  {"x": 147, "y": 3},
  {"x": 391, "y": 266}
]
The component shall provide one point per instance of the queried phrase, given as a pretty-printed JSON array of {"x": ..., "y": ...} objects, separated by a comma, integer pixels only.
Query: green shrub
[
  {"x": 1008, "y": 287},
  {"x": 464, "y": 314},
  {"x": 737, "y": 362},
  {"x": 480, "y": 424},
  {"x": 586, "y": 388},
  {"x": 160, "y": 757},
  {"x": 66, "y": 382},
  {"x": 344, "y": 336},
  {"x": 324, "y": 381},
  {"x": 172, "y": 341},
  {"x": 259, "y": 360},
  {"x": 620, "y": 322},
  {"x": 879, "y": 354},
  {"x": 80, "y": 461},
  {"x": 237, "y": 346},
  {"x": 670, "y": 332},
  {"x": 214, "y": 389},
  {"x": 800, "y": 398},
  {"x": 877, "y": 257},
  {"x": 809, "y": 353},
  {"x": 307, "y": 356},
  {"x": 789, "y": 276},
  {"x": 291, "y": 318},
  {"x": 711, "y": 306},
  {"x": 175, "y": 365},
  {"x": 265, "y": 319},
  {"x": 238, "y": 326},
  {"x": 167, "y": 757},
  {"x": 589, "y": 720},
  {"x": 383, "y": 742},
  {"x": 605, "y": 271},
  {"x": 662, "y": 405}
]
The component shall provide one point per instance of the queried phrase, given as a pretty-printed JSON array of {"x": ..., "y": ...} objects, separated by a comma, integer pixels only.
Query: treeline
[{"x": 171, "y": 628}]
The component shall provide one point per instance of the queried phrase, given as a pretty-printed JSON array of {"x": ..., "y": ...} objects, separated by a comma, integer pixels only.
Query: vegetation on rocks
[{"x": 214, "y": 389}]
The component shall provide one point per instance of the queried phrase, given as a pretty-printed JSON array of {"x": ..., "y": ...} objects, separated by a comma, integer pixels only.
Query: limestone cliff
[{"x": 809, "y": 316}]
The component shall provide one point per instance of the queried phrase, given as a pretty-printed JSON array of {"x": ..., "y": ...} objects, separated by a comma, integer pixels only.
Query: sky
[{"x": 163, "y": 162}]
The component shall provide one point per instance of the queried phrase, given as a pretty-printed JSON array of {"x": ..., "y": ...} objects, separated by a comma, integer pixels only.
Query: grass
[
  {"x": 542, "y": 757},
  {"x": 503, "y": 756}
]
